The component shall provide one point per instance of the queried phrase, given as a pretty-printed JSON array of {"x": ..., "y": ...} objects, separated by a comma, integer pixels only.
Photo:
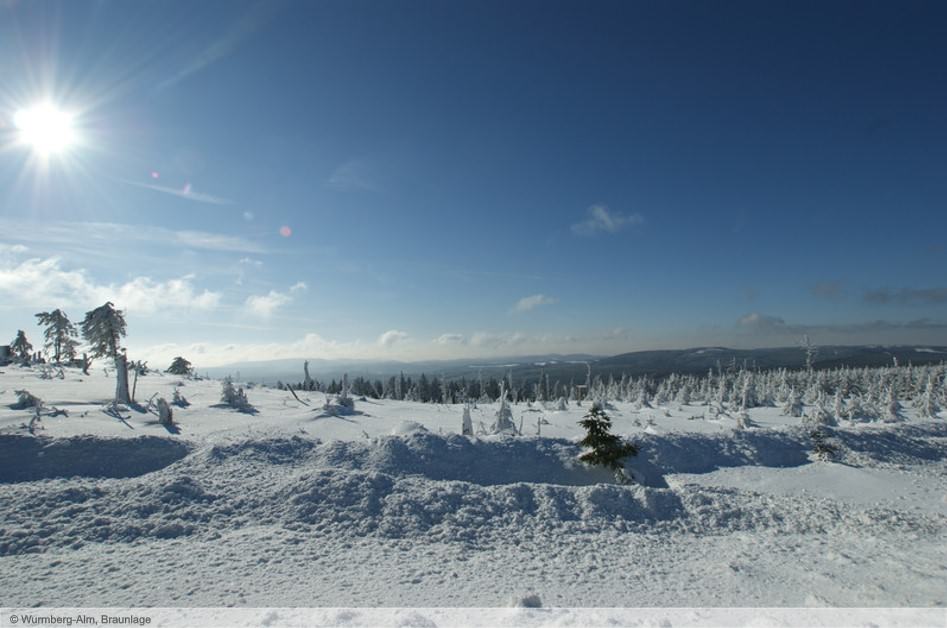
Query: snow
[{"x": 391, "y": 506}]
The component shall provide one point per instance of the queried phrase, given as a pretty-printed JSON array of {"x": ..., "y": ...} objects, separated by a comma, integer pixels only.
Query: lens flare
[{"x": 285, "y": 231}]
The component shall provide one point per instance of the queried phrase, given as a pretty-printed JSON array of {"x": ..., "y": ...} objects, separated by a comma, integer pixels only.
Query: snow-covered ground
[{"x": 392, "y": 507}]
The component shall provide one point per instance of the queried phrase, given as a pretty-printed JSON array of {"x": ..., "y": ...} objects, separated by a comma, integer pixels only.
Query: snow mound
[
  {"x": 27, "y": 458},
  {"x": 481, "y": 492},
  {"x": 406, "y": 427}
]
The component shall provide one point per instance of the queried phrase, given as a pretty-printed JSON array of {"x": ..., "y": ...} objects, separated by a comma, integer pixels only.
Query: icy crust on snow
[{"x": 426, "y": 486}]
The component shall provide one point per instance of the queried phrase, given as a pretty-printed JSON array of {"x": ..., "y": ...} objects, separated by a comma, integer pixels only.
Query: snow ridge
[{"x": 423, "y": 486}]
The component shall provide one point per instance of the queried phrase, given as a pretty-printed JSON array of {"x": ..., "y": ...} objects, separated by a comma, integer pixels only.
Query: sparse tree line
[
  {"x": 102, "y": 329},
  {"x": 856, "y": 394},
  {"x": 436, "y": 389}
]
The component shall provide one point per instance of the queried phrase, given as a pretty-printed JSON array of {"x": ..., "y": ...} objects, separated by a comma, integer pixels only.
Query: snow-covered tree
[
  {"x": 503, "y": 424},
  {"x": 235, "y": 397},
  {"x": 180, "y": 366},
  {"x": 892, "y": 406},
  {"x": 103, "y": 328},
  {"x": 823, "y": 449},
  {"x": 602, "y": 447},
  {"x": 811, "y": 352},
  {"x": 21, "y": 347},
  {"x": 838, "y": 405},
  {"x": 60, "y": 333},
  {"x": 928, "y": 404},
  {"x": 165, "y": 416},
  {"x": 793, "y": 406},
  {"x": 308, "y": 383},
  {"x": 467, "y": 422}
]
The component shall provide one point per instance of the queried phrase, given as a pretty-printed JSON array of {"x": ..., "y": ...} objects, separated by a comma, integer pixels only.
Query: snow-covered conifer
[
  {"x": 21, "y": 347},
  {"x": 467, "y": 422},
  {"x": 165, "y": 416},
  {"x": 892, "y": 406},
  {"x": 103, "y": 329},
  {"x": 235, "y": 397},
  {"x": 180, "y": 366},
  {"x": 503, "y": 423},
  {"x": 60, "y": 335},
  {"x": 793, "y": 406}
]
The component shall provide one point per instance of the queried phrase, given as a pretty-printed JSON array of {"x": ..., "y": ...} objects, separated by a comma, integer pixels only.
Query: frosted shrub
[
  {"x": 236, "y": 398},
  {"x": 744, "y": 421},
  {"x": 823, "y": 449},
  {"x": 164, "y": 412},
  {"x": 178, "y": 399},
  {"x": 25, "y": 399}
]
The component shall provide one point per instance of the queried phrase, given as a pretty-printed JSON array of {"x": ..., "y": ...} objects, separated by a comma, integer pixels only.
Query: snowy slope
[{"x": 390, "y": 506}]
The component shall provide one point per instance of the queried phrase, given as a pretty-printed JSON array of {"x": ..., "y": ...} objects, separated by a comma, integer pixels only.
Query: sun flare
[{"x": 45, "y": 129}]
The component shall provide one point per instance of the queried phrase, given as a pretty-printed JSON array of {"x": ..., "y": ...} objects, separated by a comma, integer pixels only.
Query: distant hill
[
  {"x": 700, "y": 360},
  {"x": 291, "y": 370},
  {"x": 573, "y": 367}
]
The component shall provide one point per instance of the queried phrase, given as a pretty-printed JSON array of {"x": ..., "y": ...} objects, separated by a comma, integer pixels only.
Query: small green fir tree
[
  {"x": 604, "y": 448},
  {"x": 180, "y": 366},
  {"x": 822, "y": 447}
]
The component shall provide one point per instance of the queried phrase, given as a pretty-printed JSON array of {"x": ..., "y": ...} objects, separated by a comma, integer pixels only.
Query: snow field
[{"x": 391, "y": 506}]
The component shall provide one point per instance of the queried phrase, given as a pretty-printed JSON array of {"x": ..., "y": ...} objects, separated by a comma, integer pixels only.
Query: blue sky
[{"x": 446, "y": 179}]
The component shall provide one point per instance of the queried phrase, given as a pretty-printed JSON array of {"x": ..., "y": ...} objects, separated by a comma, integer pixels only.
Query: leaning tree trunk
[{"x": 121, "y": 380}]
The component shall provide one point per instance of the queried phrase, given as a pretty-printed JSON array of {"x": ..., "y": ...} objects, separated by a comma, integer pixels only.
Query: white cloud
[
  {"x": 532, "y": 302},
  {"x": 392, "y": 337},
  {"x": 603, "y": 220},
  {"x": 264, "y": 305},
  {"x": 210, "y": 354},
  {"x": 145, "y": 295},
  {"x": 761, "y": 322},
  {"x": 44, "y": 283},
  {"x": 12, "y": 249},
  {"x": 450, "y": 339}
]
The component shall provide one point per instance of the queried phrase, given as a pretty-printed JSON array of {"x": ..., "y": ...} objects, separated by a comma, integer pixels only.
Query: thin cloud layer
[
  {"x": 106, "y": 234},
  {"x": 604, "y": 220},
  {"x": 187, "y": 192},
  {"x": 532, "y": 302},
  {"x": 907, "y": 296}
]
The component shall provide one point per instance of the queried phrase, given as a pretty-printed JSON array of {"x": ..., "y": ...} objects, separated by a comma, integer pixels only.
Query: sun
[{"x": 45, "y": 129}]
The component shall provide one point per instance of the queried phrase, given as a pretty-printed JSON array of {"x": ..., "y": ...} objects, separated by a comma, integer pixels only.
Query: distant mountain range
[
  {"x": 291, "y": 370},
  {"x": 573, "y": 367}
]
